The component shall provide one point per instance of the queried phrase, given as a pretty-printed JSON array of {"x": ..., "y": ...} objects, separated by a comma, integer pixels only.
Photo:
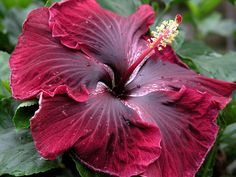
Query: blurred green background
[{"x": 206, "y": 42}]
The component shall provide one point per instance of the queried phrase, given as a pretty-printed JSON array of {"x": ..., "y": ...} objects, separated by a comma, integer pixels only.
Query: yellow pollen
[{"x": 165, "y": 33}]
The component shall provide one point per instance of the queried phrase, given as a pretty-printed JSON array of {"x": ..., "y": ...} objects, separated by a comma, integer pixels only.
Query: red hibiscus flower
[{"x": 121, "y": 105}]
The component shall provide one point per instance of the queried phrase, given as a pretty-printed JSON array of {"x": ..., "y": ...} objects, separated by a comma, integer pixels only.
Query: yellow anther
[{"x": 165, "y": 33}]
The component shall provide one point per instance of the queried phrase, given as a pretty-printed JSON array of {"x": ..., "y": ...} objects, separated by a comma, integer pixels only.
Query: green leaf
[
  {"x": 215, "y": 24},
  {"x": 4, "y": 75},
  {"x": 24, "y": 112},
  {"x": 4, "y": 89},
  {"x": 228, "y": 141},
  {"x": 145, "y": 1},
  {"x": 16, "y": 3},
  {"x": 7, "y": 107},
  {"x": 232, "y": 1},
  {"x": 208, "y": 6},
  {"x": 167, "y": 2},
  {"x": 200, "y": 9},
  {"x": 209, "y": 63},
  {"x": 18, "y": 156},
  {"x": 217, "y": 66},
  {"x": 86, "y": 172},
  {"x": 122, "y": 7},
  {"x": 229, "y": 113},
  {"x": 179, "y": 40},
  {"x": 4, "y": 69},
  {"x": 50, "y": 2},
  {"x": 5, "y": 44},
  {"x": 14, "y": 19},
  {"x": 190, "y": 50}
]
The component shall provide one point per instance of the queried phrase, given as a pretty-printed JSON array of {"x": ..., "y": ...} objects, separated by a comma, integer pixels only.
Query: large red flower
[{"x": 76, "y": 57}]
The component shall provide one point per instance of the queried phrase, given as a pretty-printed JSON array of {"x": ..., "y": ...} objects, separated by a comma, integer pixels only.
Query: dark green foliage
[
  {"x": 24, "y": 112},
  {"x": 18, "y": 155}
]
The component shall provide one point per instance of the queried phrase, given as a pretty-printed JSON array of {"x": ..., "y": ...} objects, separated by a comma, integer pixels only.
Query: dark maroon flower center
[{"x": 165, "y": 34}]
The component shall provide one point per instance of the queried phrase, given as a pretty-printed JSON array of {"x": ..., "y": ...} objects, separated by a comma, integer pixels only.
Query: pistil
[{"x": 164, "y": 34}]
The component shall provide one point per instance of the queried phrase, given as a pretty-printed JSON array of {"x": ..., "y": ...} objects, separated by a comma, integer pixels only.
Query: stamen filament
[
  {"x": 164, "y": 35},
  {"x": 147, "y": 52}
]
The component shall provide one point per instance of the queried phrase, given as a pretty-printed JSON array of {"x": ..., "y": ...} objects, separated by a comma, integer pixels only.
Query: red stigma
[{"x": 178, "y": 18}]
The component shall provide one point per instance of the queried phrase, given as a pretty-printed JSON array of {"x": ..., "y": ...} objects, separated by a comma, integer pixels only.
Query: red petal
[
  {"x": 159, "y": 75},
  {"x": 112, "y": 39},
  {"x": 106, "y": 135},
  {"x": 186, "y": 119},
  {"x": 168, "y": 54},
  {"x": 41, "y": 63}
]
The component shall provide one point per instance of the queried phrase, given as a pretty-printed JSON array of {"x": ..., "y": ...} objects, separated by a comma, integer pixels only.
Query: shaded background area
[
  {"x": 206, "y": 42},
  {"x": 211, "y": 21}
]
